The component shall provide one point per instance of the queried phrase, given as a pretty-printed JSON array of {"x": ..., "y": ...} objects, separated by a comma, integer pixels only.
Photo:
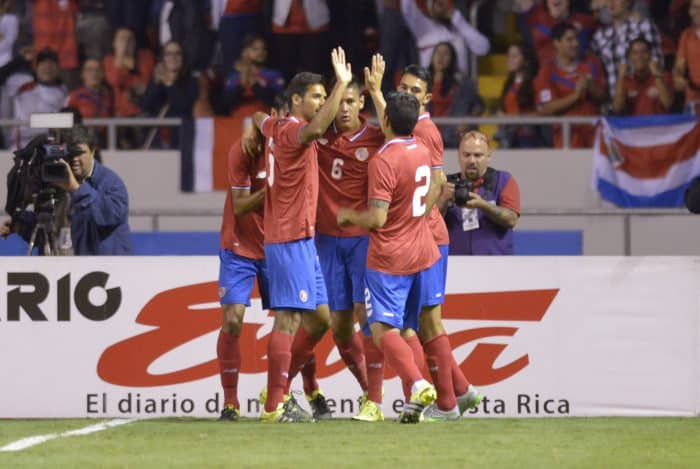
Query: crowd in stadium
[{"x": 176, "y": 58}]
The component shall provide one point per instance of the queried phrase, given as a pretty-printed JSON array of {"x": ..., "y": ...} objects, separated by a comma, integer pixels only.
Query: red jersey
[
  {"x": 541, "y": 23},
  {"x": 292, "y": 181},
  {"x": 689, "y": 42},
  {"x": 554, "y": 82},
  {"x": 427, "y": 132},
  {"x": 642, "y": 95},
  {"x": 399, "y": 173},
  {"x": 243, "y": 234},
  {"x": 342, "y": 164}
]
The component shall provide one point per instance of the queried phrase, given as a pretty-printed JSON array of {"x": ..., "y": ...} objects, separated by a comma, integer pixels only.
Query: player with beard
[{"x": 296, "y": 281}]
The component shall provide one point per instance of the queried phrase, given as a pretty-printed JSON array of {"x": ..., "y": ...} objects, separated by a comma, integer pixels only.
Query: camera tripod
[{"x": 45, "y": 205}]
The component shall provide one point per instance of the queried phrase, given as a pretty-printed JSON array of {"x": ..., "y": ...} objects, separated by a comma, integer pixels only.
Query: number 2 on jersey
[{"x": 422, "y": 173}]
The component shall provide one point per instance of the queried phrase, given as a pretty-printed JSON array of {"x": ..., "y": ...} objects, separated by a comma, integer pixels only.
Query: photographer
[
  {"x": 99, "y": 203},
  {"x": 480, "y": 204}
]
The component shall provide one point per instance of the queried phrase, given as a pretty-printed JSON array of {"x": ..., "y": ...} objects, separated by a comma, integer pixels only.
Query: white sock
[{"x": 418, "y": 384}]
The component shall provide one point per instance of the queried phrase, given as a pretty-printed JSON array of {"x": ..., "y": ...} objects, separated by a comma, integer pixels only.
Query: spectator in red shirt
[
  {"x": 518, "y": 98},
  {"x": 570, "y": 87},
  {"x": 538, "y": 19},
  {"x": 94, "y": 98},
  {"x": 641, "y": 87},
  {"x": 53, "y": 26},
  {"x": 686, "y": 71},
  {"x": 127, "y": 70}
]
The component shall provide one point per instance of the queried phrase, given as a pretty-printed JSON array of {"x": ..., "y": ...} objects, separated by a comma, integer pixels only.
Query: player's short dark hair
[
  {"x": 402, "y": 112},
  {"x": 560, "y": 29},
  {"x": 81, "y": 134},
  {"x": 421, "y": 73},
  {"x": 638, "y": 39},
  {"x": 279, "y": 101},
  {"x": 300, "y": 83}
]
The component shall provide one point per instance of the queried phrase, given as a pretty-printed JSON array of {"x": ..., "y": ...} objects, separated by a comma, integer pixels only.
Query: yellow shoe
[
  {"x": 370, "y": 412},
  {"x": 423, "y": 397},
  {"x": 262, "y": 397},
  {"x": 274, "y": 416}
]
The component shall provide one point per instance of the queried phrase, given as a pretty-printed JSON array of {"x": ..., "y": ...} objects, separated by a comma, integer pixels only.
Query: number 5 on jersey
[{"x": 419, "y": 195}]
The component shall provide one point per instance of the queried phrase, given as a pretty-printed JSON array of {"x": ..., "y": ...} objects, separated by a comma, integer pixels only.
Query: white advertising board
[{"x": 540, "y": 336}]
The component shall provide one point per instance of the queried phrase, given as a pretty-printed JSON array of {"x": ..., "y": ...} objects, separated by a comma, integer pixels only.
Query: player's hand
[
  {"x": 344, "y": 216},
  {"x": 252, "y": 141},
  {"x": 5, "y": 228},
  {"x": 343, "y": 70},
  {"x": 475, "y": 201},
  {"x": 373, "y": 77}
]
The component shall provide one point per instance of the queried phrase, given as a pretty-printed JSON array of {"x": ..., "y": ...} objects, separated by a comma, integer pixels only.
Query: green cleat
[
  {"x": 370, "y": 412},
  {"x": 433, "y": 414},
  {"x": 423, "y": 397},
  {"x": 469, "y": 400}
]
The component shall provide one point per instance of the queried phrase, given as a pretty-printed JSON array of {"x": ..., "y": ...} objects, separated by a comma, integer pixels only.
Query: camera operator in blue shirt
[{"x": 99, "y": 203}]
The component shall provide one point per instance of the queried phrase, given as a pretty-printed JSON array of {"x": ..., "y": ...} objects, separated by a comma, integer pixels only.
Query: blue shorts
[
  {"x": 393, "y": 299},
  {"x": 343, "y": 262},
  {"x": 434, "y": 279},
  {"x": 236, "y": 279},
  {"x": 296, "y": 281}
]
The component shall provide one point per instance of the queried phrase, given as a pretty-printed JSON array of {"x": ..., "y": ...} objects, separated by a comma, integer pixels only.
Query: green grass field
[{"x": 522, "y": 443}]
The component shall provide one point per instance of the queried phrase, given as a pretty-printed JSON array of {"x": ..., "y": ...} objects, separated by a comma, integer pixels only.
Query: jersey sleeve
[
  {"x": 238, "y": 167},
  {"x": 268, "y": 126},
  {"x": 437, "y": 149},
  {"x": 381, "y": 180},
  {"x": 510, "y": 196},
  {"x": 288, "y": 134}
]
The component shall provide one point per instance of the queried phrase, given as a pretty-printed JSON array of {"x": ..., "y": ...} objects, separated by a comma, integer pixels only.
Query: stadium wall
[
  {"x": 548, "y": 179},
  {"x": 541, "y": 337}
]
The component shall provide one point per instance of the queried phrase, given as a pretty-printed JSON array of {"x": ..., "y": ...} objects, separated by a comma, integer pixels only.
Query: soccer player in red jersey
[
  {"x": 344, "y": 153},
  {"x": 455, "y": 393},
  {"x": 399, "y": 184},
  {"x": 296, "y": 281},
  {"x": 241, "y": 260}
]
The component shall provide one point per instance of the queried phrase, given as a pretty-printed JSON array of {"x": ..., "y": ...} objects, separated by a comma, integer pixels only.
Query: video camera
[
  {"x": 463, "y": 187},
  {"x": 37, "y": 166}
]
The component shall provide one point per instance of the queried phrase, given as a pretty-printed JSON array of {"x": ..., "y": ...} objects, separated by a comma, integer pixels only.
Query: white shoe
[{"x": 433, "y": 414}]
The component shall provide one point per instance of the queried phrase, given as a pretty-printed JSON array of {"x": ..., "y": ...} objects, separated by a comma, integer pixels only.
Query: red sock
[
  {"x": 308, "y": 376},
  {"x": 375, "y": 370},
  {"x": 419, "y": 357},
  {"x": 400, "y": 357},
  {"x": 459, "y": 381},
  {"x": 354, "y": 357},
  {"x": 228, "y": 351},
  {"x": 278, "y": 357},
  {"x": 302, "y": 353},
  {"x": 440, "y": 361}
]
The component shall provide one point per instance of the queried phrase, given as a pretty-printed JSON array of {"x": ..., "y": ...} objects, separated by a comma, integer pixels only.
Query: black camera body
[
  {"x": 463, "y": 187},
  {"x": 52, "y": 170}
]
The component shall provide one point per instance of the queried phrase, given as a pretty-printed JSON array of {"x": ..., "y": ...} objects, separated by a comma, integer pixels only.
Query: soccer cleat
[
  {"x": 362, "y": 399},
  {"x": 286, "y": 412},
  {"x": 229, "y": 413},
  {"x": 319, "y": 406},
  {"x": 370, "y": 412},
  {"x": 420, "y": 399},
  {"x": 469, "y": 399},
  {"x": 433, "y": 414}
]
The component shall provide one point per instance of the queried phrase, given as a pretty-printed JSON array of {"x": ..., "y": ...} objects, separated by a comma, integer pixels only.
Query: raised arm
[
  {"x": 373, "y": 83},
  {"x": 325, "y": 116}
]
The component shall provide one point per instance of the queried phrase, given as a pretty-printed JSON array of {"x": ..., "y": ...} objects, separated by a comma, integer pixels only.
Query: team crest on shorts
[
  {"x": 361, "y": 154},
  {"x": 303, "y": 296},
  {"x": 222, "y": 292}
]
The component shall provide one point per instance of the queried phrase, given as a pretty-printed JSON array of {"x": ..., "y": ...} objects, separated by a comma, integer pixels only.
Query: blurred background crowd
[{"x": 198, "y": 58}]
